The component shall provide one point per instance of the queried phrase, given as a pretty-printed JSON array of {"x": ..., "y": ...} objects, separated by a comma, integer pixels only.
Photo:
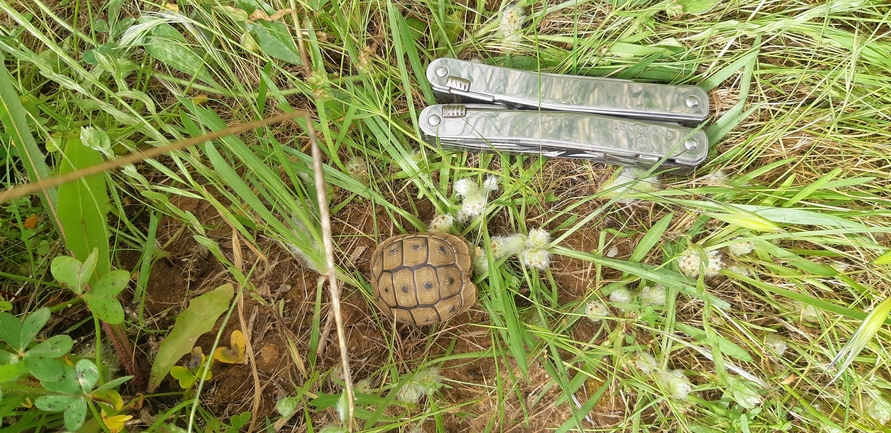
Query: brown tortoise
[{"x": 423, "y": 278}]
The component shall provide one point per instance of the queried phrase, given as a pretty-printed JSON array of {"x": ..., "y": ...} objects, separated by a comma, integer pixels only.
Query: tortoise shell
[{"x": 423, "y": 278}]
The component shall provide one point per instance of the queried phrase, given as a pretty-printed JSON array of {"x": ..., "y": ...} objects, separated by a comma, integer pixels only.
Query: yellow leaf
[
  {"x": 233, "y": 354},
  {"x": 115, "y": 423},
  {"x": 109, "y": 397}
]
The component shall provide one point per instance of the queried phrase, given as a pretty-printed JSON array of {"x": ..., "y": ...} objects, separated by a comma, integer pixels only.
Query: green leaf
[
  {"x": 53, "y": 347},
  {"x": 111, "y": 283},
  {"x": 44, "y": 368},
  {"x": 10, "y": 372},
  {"x": 76, "y": 414},
  {"x": 11, "y": 331},
  {"x": 33, "y": 324},
  {"x": 87, "y": 374},
  {"x": 67, "y": 384},
  {"x": 82, "y": 210},
  {"x": 67, "y": 270},
  {"x": 55, "y": 403},
  {"x": 169, "y": 47},
  {"x": 185, "y": 376},
  {"x": 200, "y": 317},
  {"x": 273, "y": 40},
  {"x": 15, "y": 123},
  {"x": 106, "y": 308}
]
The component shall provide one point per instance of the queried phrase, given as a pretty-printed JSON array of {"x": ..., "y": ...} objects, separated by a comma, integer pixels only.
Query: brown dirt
[{"x": 278, "y": 316}]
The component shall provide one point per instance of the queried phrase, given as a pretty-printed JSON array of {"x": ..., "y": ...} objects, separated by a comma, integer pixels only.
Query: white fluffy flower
[
  {"x": 442, "y": 223},
  {"x": 739, "y": 269},
  {"x": 357, "y": 168},
  {"x": 743, "y": 393},
  {"x": 480, "y": 261},
  {"x": 675, "y": 382},
  {"x": 621, "y": 296},
  {"x": 691, "y": 260},
  {"x": 536, "y": 258},
  {"x": 653, "y": 295},
  {"x": 644, "y": 362},
  {"x": 596, "y": 310},
  {"x": 423, "y": 383},
  {"x": 741, "y": 248},
  {"x": 512, "y": 19},
  {"x": 364, "y": 386},
  {"x": 504, "y": 246},
  {"x": 474, "y": 198},
  {"x": 877, "y": 407},
  {"x": 807, "y": 312},
  {"x": 539, "y": 238},
  {"x": 776, "y": 343}
]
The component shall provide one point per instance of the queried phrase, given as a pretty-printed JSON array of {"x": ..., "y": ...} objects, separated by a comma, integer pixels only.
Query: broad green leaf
[
  {"x": 273, "y": 40},
  {"x": 53, "y": 347},
  {"x": 106, "y": 308},
  {"x": 199, "y": 317},
  {"x": 15, "y": 123},
  {"x": 43, "y": 368},
  {"x": 185, "y": 376},
  {"x": 87, "y": 374},
  {"x": 67, "y": 384},
  {"x": 55, "y": 403},
  {"x": 169, "y": 47},
  {"x": 111, "y": 284},
  {"x": 10, "y": 372},
  {"x": 33, "y": 324},
  {"x": 67, "y": 270},
  {"x": 11, "y": 331},
  {"x": 82, "y": 209},
  {"x": 76, "y": 414}
]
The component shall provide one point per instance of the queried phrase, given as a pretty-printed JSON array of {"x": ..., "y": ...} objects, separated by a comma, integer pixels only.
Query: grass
[{"x": 780, "y": 339}]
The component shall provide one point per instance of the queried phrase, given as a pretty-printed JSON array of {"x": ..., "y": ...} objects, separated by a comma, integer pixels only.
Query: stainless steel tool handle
[
  {"x": 564, "y": 134},
  {"x": 512, "y": 87}
]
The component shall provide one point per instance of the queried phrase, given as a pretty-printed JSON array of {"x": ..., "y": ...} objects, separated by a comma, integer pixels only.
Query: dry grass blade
[{"x": 331, "y": 271}]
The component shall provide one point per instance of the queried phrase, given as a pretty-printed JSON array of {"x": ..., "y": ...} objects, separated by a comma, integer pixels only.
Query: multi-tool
[{"x": 602, "y": 119}]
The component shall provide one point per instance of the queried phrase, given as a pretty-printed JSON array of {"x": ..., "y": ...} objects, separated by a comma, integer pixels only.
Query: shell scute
[{"x": 423, "y": 278}]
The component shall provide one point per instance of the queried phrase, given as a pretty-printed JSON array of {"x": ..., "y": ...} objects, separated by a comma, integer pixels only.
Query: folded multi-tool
[{"x": 567, "y": 116}]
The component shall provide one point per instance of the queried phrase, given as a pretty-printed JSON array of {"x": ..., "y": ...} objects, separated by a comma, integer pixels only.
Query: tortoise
[{"x": 423, "y": 278}]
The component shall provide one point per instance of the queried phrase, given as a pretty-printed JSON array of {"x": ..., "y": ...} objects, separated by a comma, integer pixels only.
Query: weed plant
[{"x": 750, "y": 295}]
